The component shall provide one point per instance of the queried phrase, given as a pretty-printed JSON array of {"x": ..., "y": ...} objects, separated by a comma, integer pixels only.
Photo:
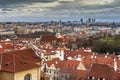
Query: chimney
[
  {"x": 92, "y": 56},
  {"x": 56, "y": 62},
  {"x": 79, "y": 59},
  {"x": 95, "y": 57},
  {"x": 83, "y": 48},
  {"x": 115, "y": 64},
  {"x": 106, "y": 55},
  {"x": 62, "y": 54},
  {"x": 69, "y": 58}
]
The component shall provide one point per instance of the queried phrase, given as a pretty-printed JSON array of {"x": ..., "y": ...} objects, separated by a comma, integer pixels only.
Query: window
[
  {"x": 104, "y": 79},
  {"x": 57, "y": 73},
  {"x": 47, "y": 71},
  {"x": 44, "y": 69},
  {"x": 27, "y": 77},
  {"x": 54, "y": 78},
  {"x": 101, "y": 78},
  {"x": 90, "y": 77}
]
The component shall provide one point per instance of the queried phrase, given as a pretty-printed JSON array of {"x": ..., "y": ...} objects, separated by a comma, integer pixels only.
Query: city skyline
[{"x": 46, "y": 10}]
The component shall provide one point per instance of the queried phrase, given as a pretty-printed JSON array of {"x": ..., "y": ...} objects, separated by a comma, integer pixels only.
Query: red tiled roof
[
  {"x": 50, "y": 51},
  {"x": 87, "y": 62},
  {"x": 102, "y": 71},
  {"x": 118, "y": 76},
  {"x": 49, "y": 63},
  {"x": 118, "y": 62},
  {"x": 60, "y": 64},
  {"x": 27, "y": 54},
  {"x": 14, "y": 63},
  {"x": 104, "y": 60},
  {"x": 6, "y": 46},
  {"x": 69, "y": 65},
  {"x": 80, "y": 52},
  {"x": 79, "y": 74},
  {"x": 50, "y": 38},
  {"x": 56, "y": 59},
  {"x": 19, "y": 46}
]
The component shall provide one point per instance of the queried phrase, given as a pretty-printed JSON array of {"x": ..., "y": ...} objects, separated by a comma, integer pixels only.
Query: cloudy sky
[{"x": 43, "y": 10}]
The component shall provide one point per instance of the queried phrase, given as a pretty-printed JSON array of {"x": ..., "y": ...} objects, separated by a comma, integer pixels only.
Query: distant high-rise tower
[
  {"x": 81, "y": 20},
  {"x": 60, "y": 22},
  {"x": 93, "y": 20},
  {"x": 89, "y": 20}
]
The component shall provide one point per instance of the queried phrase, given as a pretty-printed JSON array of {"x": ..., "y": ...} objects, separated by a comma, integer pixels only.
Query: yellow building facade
[
  {"x": 14, "y": 67},
  {"x": 34, "y": 75}
]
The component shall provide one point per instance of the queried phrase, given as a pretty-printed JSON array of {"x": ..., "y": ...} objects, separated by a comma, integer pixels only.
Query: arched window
[{"x": 27, "y": 77}]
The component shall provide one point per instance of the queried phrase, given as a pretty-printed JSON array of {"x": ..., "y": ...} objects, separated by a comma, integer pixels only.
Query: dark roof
[{"x": 50, "y": 38}]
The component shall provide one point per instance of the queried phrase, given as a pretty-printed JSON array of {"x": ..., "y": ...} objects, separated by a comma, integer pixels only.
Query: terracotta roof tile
[
  {"x": 27, "y": 54},
  {"x": 104, "y": 60},
  {"x": 79, "y": 74},
  {"x": 14, "y": 63},
  {"x": 102, "y": 71},
  {"x": 80, "y": 52},
  {"x": 50, "y": 38},
  {"x": 70, "y": 65}
]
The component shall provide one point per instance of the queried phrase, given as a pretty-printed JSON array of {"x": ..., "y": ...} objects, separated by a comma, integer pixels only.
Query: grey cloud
[
  {"x": 22, "y": 1},
  {"x": 19, "y": 3},
  {"x": 79, "y": 7},
  {"x": 6, "y": 9},
  {"x": 66, "y": 7}
]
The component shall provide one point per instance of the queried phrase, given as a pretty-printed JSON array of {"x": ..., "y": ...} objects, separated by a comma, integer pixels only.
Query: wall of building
[
  {"x": 6, "y": 76},
  {"x": 35, "y": 74},
  {"x": 7, "y": 33},
  {"x": 59, "y": 54},
  {"x": 81, "y": 66},
  {"x": 52, "y": 73}
]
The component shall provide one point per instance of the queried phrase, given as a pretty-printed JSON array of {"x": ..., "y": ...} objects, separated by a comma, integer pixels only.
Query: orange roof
[
  {"x": 14, "y": 63},
  {"x": 27, "y": 54},
  {"x": 6, "y": 46},
  {"x": 87, "y": 62},
  {"x": 80, "y": 52},
  {"x": 102, "y": 71},
  {"x": 69, "y": 65},
  {"x": 49, "y": 63},
  {"x": 104, "y": 60},
  {"x": 79, "y": 74}
]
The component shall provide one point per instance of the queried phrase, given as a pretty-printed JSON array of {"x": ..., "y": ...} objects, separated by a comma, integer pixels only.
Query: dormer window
[
  {"x": 91, "y": 78},
  {"x": 60, "y": 55},
  {"x": 8, "y": 63},
  {"x": 101, "y": 78}
]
